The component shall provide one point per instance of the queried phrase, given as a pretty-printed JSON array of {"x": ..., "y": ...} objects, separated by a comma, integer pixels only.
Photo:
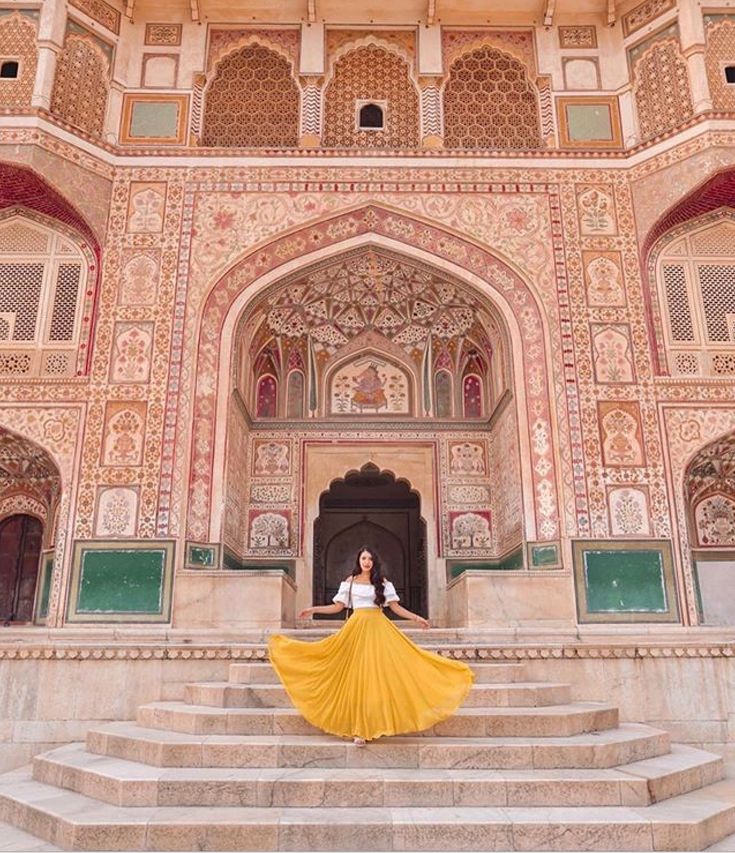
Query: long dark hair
[{"x": 376, "y": 575}]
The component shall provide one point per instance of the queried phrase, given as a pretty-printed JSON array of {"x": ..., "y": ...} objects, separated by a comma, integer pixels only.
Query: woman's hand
[
  {"x": 307, "y": 611},
  {"x": 423, "y": 622}
]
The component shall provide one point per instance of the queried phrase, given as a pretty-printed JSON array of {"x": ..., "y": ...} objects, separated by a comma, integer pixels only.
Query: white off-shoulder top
[{"x": 363, "y": 594}]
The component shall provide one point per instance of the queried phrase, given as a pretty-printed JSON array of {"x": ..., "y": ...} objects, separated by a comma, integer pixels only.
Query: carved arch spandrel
[{"x": 452, "y": 254}]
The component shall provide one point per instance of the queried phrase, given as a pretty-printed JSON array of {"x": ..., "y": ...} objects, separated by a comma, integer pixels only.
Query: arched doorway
[
  {"x": 370, "y": 507},
  {"x": 30, "y": 489},
  {"x": 21, "y": 539},
  {"x": 709, "y": 485}
]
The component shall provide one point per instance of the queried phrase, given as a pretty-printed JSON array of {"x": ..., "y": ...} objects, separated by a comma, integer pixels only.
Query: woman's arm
[
  {"x": 337, "y": 607},
  {"x": 406, "y": 614}
]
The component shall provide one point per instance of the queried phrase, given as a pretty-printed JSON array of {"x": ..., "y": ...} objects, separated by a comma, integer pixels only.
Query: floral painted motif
[
  {"x": 715, "y": 521},
  {"x": 596, "y": 211},
  {"x": 628, "y": 512},
  {"x": 612, "y": 353},
  {"x": 131, "y": 357},
  {"x": 147, "y": 202},
  {"x": 272, "y": 458},
  {"x": 469, "y": 530},
  {"x": 269, "y": 530},
  {"x": 621, "y": 434}
]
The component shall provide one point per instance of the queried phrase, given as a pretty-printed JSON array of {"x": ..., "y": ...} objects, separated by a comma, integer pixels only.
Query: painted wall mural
[{"x": 369, "y": 385}]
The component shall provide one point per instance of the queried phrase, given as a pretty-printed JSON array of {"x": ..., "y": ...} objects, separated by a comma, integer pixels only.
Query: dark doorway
[
  {"x": 370, "y": 507},
  {"x": 20, "y": 551}
]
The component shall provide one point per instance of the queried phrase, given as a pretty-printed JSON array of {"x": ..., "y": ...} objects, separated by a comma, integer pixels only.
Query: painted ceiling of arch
[
  {"x": 372, "y": 291},
  {"x": 713, "y": 467},
  {"x": 19, "y": 459}
]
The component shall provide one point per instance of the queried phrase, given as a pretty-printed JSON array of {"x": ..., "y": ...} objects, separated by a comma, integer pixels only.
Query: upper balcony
[{"x": 528, "y": 79}]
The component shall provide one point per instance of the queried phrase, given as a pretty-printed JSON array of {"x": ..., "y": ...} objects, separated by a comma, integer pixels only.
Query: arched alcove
[
  {"x": 373, "y": 327},
  {"x": 30, "y": 488},
  {"x": 709, "y": 492},
  {"x": 373, "y": 508}
]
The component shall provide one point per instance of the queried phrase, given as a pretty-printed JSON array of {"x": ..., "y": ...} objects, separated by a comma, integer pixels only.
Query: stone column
[
  {"x": 51, "y": 29},
  {"x": 431, "y": 70},
  {"x": 691, "y": 33},
  {"x": 310, "y": 128},
  {"x": 432, "y": 120},
  {"x": 311, "y": 68}
]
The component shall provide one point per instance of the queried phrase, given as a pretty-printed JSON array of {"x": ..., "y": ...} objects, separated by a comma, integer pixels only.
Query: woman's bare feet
[{"x": 359, "y": 741}]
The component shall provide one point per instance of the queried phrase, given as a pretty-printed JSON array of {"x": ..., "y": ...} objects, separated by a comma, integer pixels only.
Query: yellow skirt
[{"x": 369, "y": 679}]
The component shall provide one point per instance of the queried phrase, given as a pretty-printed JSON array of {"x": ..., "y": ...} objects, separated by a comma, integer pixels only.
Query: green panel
[
  {"x": 544, "y": 555},
  {"x": 48, "y": 570},
  {"x": 122, "y": 581},
  {"x": 230, "y": 561},
  {"x": 201, "y": 556},
  {"x": 154, "y": 119},
  {"x": 509, "y": 562},
  {"x": 625, "y": 581},
  {"x": 589, "y": 122}
]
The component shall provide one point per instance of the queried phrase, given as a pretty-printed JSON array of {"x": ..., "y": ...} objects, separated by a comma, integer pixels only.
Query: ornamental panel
[
  {"x": 489, "y": 102},
  {"x": 252, "y": 101},
  {"x": 371, "y": 74}
]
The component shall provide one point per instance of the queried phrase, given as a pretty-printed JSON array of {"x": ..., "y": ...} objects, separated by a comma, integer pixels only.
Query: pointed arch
[
  {"x": 519, "y": 310},
  {"x": 713, "y": 198},
  {"x": 252, "y": 99}
]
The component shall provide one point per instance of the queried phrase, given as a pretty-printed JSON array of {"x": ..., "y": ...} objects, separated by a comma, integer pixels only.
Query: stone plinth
[{"x": 505, "y": 599}]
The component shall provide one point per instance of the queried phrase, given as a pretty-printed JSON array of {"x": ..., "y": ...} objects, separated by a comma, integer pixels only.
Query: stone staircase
[{"x": 234, "y": 767}]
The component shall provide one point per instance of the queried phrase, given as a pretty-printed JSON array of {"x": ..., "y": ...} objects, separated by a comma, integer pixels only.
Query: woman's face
[{"x": 366, "y": 561}]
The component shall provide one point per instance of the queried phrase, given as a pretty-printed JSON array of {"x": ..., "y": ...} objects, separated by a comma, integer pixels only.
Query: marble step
[
  {"x": 14, "y": 840},
  {"x": 550, "y": 720},
  {"x": 691, "y": 821},
  {"x": 128, "y": 783},
  {"x": 223, "y": 694},
  {"x": 485, "y": 673},
  {"x": 163, "y": 748}
]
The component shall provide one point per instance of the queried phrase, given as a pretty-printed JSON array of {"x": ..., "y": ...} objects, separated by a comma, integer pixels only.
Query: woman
[{"x": 368, "y": 679}]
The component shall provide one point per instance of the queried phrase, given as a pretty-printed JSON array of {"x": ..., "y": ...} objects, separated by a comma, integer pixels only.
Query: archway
[
  {"x": 371, "y": 507},
  {"x": 709, "y": 486},
  {"x": 20, "y": 552},
  {"x": 30, "y": 488}
]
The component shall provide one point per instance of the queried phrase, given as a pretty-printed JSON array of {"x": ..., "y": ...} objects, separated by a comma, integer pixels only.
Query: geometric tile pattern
[
  {"x": 490, "y": 103},
  {"x": 81, "y": 84},
  {"x": 373, "y": 74},
  {"x": 18, "y": 39},
  {"x": 661, "y": 87}
]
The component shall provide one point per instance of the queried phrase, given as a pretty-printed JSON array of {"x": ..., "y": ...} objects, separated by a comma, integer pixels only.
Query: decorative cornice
[
  {"x": 471, "y": 652},
  {"x": 171, "y": 153}
]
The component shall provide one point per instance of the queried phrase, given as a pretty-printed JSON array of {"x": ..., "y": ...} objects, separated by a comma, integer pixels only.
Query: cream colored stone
[
  {"x": 204, "y": 600},
  {"x": 510, "y": 600}
]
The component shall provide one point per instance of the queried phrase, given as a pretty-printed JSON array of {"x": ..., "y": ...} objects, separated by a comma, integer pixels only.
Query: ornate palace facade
[{"x": 457, "y": 281}]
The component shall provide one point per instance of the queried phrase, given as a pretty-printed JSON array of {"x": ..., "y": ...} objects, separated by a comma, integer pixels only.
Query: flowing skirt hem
[{"x": 335, "y": 683}]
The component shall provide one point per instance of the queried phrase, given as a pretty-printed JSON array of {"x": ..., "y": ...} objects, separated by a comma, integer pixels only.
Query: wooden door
[{"x": 20, "y": 551}]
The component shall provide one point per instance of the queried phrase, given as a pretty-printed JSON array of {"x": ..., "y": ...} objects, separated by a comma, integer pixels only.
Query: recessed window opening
[
  {"x": 730, "y": 73},
  {"x": 9, "y": 69},
  {"x": 371, "y": 117}
]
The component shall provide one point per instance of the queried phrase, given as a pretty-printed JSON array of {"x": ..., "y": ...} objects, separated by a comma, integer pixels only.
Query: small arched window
[
  {"x": 443, "y": 394},
  {"x": 42, "y": 278},
  {"x": 267, "y": 397},
  {"x": 371, "y": 117},
  {"x": 472, "y": 396},
  {"x": 696, "y": 275},
  {"x": 9, "y": 69},
  {"x": 295, "y": 395}
]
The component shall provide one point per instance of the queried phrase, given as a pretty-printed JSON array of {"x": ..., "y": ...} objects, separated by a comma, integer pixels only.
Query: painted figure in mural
[
  {"x": 368, "y": 679},
  {"x": 369, "y": 391}
]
